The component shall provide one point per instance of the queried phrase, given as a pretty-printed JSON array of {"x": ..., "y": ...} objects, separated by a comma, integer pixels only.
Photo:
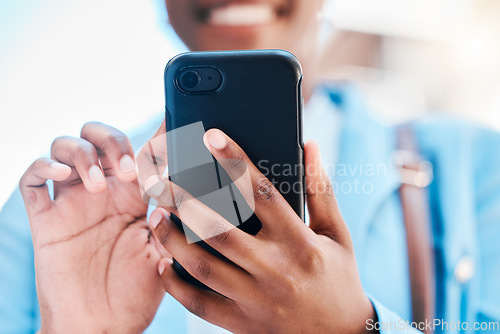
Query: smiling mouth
[{"x": 239, "y": 14}]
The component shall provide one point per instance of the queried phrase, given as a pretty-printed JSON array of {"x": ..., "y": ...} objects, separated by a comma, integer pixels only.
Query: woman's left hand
[{"x": 289, "y": 278}]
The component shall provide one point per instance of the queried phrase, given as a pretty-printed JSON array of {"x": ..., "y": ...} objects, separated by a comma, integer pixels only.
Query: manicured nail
[
  {"x": 155, "y": 219},
  {"x": 217, "y": 140},
  {"x": 154, "y": 186},
  {"x": 127, "y": 164},
  {"x": 161, "y": 267},
  {"x": 95, "y": 175}
]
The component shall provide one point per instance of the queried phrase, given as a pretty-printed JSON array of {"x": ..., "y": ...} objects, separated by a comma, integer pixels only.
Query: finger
[
  {"x": 218, "y": 274},
  {"x": 82, "y": 156},
  {"x": 114, "y": 149},
  {"x": 202, "y": 223},
  {"x": 324, "y": 213},
  {"x": 207, "y": 305},
  {"x": 33, "y": 184},
  {"x": 152, "y": 159},
  {"x": 269, "y": 203}
]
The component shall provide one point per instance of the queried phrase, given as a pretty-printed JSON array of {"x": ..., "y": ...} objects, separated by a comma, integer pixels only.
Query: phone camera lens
[
  {"x": 190, "y": 79},
  {"x": 198, "y": 80}
]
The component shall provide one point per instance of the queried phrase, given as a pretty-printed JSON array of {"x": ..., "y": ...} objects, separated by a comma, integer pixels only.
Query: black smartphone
[{"x": 254, "y": 97}]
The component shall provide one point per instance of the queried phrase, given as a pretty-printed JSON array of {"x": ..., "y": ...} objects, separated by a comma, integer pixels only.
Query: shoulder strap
[{"x": 416, "y": 175}]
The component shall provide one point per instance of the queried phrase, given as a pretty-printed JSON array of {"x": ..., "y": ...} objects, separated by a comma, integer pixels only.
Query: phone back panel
[{"x": 258, "y": 104}]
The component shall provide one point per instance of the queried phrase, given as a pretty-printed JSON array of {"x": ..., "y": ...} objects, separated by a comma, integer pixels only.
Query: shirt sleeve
[
  {"x": 388, "y": 322},
  {"x": 18, "y": 301}
]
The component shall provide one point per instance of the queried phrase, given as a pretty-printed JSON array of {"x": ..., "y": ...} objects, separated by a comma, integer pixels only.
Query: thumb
[
  {"x": 33, "y": 184},
  {"x": 324, "y": 214}
]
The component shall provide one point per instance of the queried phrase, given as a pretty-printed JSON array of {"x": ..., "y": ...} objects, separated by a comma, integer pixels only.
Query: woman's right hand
[{"x": 95, "y": 257}]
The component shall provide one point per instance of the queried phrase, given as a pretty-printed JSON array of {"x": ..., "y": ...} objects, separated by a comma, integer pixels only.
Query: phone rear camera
[
  {"x": 199, "y": 80},
  {"x": 190, "y": 79}
]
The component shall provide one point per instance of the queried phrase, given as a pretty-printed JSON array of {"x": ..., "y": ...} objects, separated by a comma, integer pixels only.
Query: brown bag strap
[{"x": 416, "y": 175}]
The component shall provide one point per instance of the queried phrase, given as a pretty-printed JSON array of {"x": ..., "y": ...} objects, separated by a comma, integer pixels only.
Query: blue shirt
[{"x": 464, "y": 198}]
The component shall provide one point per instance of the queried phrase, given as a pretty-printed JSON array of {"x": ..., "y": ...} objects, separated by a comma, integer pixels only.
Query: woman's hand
[
  {"x": 289, "y": 278},
  {"x": 95, "y": 258}
]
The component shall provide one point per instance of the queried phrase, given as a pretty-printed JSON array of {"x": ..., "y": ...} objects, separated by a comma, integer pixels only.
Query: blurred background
[{"x": 66, "y": 62}]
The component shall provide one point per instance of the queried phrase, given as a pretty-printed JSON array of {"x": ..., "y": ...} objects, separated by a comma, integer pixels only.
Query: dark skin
[
  {"x": 293, "y": 24},
  {"x": 94, "y": 252},
  {"x": 287, "y": 278},
  {"x": 95, "y": 258},
  {"x": 295, "y": 29}
]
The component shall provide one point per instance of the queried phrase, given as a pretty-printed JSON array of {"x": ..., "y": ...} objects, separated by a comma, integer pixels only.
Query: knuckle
[
  {"x": 218, "y": 232},
  {"x": 179, "y": 198},
  {"x": 291, "y": 290},
  {"x": 329, "y": 191},
  {"x": 59, "y": 139},
  {"x": 83, "y": 149},
  {"x": 86, "y": 128},
  {"x": 201, "y": 268},
  {"x": 288, "y": 292},
  {"x": 326, "y": 189},
  {"x": 33, "y": 169},
  {"x": 280, "y": 310},
  {"x": 323, "y": 189},
  {"x": 37, "y": 164},
  {"x": 311, "y": 258},
  {"x": 265, "y": 191},
  {"x": 196, "y": 306},
  {"x": 57, "y": 142},
  {"x": 151, "y": 156},
  {"x": 237, "y": 161},
  {"x": 117, "y": 138},
  {"x": 115, "y": 141}
]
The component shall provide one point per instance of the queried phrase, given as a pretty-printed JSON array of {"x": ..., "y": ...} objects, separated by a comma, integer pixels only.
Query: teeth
[{"x": 242, "y": 15}]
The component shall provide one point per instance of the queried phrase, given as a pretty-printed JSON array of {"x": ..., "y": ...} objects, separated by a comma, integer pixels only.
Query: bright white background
[{"x": 66, "y": 62}]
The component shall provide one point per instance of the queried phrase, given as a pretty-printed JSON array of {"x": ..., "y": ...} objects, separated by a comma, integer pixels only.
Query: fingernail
[
  {"x": 155, "y": 219},
  {"x": 58, "y": 166},
  {"x": 127, "y": 164},
  {"x": 154, "y": 186},
  {"x": 161, "y": 267},
  {"x": 217, "y": 140},
  {"x": 95, "y": 175}
]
